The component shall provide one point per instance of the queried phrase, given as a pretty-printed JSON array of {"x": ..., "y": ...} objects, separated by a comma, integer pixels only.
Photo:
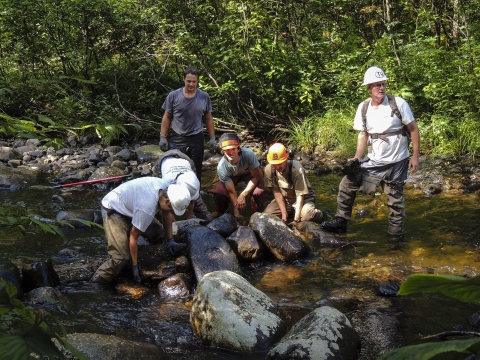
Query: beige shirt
[{"x": 300, "y": 186}]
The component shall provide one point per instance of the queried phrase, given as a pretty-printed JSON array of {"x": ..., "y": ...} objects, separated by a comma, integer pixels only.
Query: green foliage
[
  {"x": 429, "y": 350},
  {"x": 12, "y": 219},
  {"x": 330, "y": 132},
  {"x": 457, "y": 287},
  {"x": 36, "y": 340},
  {"x": 104, "y": 65}
]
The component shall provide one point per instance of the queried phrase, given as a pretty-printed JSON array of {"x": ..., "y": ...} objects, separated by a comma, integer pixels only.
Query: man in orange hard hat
[{"x": 293, "y": 195}]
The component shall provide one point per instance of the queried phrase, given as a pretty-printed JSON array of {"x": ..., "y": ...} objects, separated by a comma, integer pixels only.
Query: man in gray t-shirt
[
  {"x": 129, "y": 211},
  {"x": 238, "y": 163},
  {"x": 185, "y": 111}
]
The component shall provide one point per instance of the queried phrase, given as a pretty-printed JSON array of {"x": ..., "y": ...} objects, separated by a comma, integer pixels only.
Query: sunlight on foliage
[{"x": 330, "y": 132}]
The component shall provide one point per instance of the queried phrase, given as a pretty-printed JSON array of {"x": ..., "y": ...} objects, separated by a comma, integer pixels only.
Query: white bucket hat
[
  {"x": 179, "y": 198},
  {"x": 190, "y": 181}
]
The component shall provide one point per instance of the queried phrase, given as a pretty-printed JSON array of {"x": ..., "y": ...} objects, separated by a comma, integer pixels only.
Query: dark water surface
[{"x": 442, "y": 237}]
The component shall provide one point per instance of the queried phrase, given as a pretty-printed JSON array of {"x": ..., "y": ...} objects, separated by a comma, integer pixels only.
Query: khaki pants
[
  {"x": 117, "y": 230},
  {"x": 308, "y": 213}
]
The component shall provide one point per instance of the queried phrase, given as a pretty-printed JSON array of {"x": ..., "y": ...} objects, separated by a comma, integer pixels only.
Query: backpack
[
  {"x": 157, "y": 168},
  {"x": 393, "y": 105}
]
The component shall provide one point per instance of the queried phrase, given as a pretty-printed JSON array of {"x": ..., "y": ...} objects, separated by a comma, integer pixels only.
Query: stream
[{"x": 442, "y": 237}]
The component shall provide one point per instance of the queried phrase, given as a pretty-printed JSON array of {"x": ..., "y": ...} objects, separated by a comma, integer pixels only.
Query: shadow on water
[{"x": 442, "y": 237}]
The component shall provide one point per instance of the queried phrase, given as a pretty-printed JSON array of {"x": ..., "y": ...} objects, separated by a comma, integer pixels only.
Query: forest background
[{"x": 285, "y": 69}]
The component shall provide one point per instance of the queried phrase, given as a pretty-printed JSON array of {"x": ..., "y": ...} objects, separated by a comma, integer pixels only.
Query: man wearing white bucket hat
[
  {"x": 178, "y": 167},
  {"x": 129, "y": 211},
  {"x": 386, "y": 126}
]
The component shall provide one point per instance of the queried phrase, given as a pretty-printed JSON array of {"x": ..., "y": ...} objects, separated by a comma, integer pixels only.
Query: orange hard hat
[{"x": 277, "y": 154}]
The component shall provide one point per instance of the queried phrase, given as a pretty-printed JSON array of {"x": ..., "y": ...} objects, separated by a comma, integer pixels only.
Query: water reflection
[{"x": 441, "y": 238}]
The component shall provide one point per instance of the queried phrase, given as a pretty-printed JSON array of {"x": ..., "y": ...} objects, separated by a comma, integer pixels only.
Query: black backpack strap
[
  {"x": 290, "y": 175},
  {"x": 393, "y": 106},
  {"x": 395, "y": 111},
  {"x": 274, "y": 176},
  {"x": 364, "y": 114}
]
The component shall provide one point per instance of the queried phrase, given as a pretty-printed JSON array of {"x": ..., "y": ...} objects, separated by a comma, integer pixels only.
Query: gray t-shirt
[
  {"x": 137, "y": 199},
  {"x": 248, "y": 161},
  {"x": 187, "y": 113}
]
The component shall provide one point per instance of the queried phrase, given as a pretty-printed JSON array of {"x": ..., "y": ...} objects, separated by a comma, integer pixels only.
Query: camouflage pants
[
  {"x": 117, "y": 230},
  {"x": 393, "y": 190}
]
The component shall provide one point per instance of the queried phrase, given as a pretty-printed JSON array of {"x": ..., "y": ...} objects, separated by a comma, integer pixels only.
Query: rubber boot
[{"x": 337, "y": 225}]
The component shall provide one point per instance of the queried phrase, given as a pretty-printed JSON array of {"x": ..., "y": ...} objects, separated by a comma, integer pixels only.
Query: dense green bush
[{"x": 266, "y": 65}]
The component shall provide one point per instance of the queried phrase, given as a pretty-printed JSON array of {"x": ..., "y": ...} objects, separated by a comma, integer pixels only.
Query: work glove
[
  {"x": 175, "y": 248},
  {"x": 163, "y": 143},
  {"x": 212, "y": 143},
  {"x": 136, "y": 274}
]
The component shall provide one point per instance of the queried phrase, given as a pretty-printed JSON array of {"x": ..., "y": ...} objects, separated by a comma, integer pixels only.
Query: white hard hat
[
  {"x": 374, "y": 74},
  {"x": 179, "y": 198},
  {"x": 190, "y": 181}
]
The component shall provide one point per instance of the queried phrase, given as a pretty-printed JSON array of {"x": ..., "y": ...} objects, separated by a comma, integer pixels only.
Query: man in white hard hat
[
  {"x": 385, "y": 124},
  {"x": 129, "y": 211},
  {"x": 294, "y": 198}
]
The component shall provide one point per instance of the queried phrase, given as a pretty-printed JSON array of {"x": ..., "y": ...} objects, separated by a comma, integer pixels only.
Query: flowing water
[{"x": 442, "y": 237}]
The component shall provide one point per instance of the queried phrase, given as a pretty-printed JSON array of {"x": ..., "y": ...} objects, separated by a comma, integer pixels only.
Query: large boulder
[
  {"x": 225, "y": 225},
  {"x": 8, "y": 153},
  {"x": 228, "y": 312},
  {"x": 42, "y": 295},
  {"x": 110, "y": 347},
  {"x": 39, "y": 274},
  {"x": 81, "y": 214},
  {"x": 177, "y": 286},
  {"x": 316, "y": 237},
  {"x": 180, "y": 228},
  {"x": 106, "y": 172},
  {"x": 209, "y": 251},
  {"x": 245, "y": 244},
  {"x": 323, "y": 334},
  {"x": 148, "y": 153},
  {"x": 79, "y": 270},
  {"x": 278, "y": 238},
  {"x": 14, "y": 179}
]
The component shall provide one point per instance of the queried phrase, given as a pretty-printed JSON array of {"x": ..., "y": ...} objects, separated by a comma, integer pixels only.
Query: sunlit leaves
[
  {"x": 429, "y": 350},
  {"x": 457, "y": 287}
]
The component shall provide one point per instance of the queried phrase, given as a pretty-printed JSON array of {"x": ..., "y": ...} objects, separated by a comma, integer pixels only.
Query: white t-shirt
[
  {"x": 380, "y": 121},
  {"x": 137, "y": 199},
  {"x": 172, "y": 166}
]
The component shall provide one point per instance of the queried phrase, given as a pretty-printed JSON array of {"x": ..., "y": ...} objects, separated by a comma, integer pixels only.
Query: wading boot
[{"x": 337, "y": 225}]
